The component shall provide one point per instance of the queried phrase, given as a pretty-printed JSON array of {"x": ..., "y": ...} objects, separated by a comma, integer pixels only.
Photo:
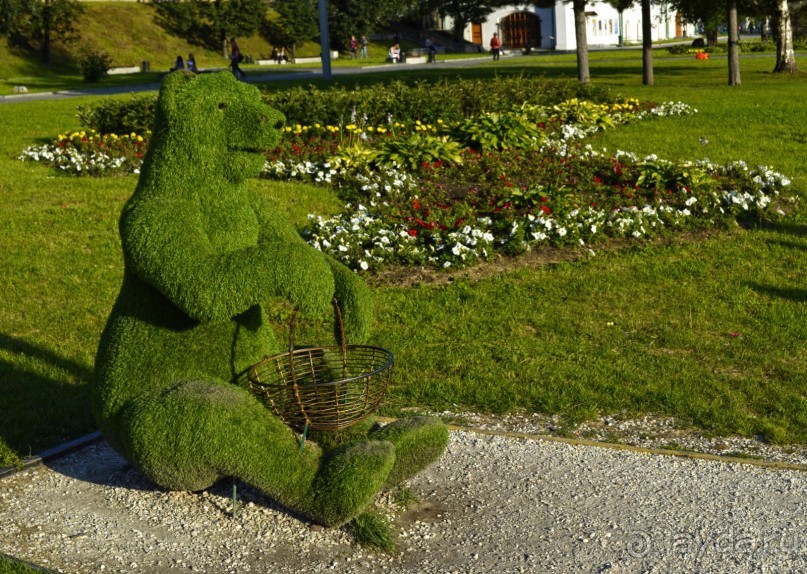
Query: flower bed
[{"x": 447, "y": 194}]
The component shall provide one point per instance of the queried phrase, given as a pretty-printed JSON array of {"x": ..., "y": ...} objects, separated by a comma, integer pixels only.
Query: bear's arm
[
  {"x": 166, "y": 245},
  {"x": 351, "y": 292}
]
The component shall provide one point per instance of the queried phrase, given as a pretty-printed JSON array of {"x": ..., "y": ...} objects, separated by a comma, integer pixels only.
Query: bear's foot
[
  {"x": 348, "y": 479},
  {"x": 419, "y": 441}
]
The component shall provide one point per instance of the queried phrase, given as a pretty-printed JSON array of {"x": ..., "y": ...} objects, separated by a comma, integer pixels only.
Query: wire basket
[{"x": 323, "y": 388}]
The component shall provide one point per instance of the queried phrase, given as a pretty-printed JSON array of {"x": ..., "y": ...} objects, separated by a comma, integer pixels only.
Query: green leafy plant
[
  {"x": 417, "y": 149},
  {"x": 498, "y": 131},
  {"x": 584, "y": 112}
]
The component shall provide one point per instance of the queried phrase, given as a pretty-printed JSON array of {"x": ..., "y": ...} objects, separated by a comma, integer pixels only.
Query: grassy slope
[{"x": 129, "y": 33}]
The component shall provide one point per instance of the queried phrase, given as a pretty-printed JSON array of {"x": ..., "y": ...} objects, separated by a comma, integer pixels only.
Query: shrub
[
  {"x": 94, "y": 65},
  {"x": 119, "y": 116},
  {"x": 679, "y": 49},
  {"x": 450, "y": 101}
]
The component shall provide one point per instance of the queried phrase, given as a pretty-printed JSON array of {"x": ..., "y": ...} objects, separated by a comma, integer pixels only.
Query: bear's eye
[{"x": 222, "y": 105}]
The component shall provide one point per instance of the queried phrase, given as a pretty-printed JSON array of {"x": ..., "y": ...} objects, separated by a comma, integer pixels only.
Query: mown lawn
[{"x": 709, "y": 329}]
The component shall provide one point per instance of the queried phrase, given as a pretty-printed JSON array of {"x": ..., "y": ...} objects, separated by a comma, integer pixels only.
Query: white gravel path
[{"x": 491, "y": 504}]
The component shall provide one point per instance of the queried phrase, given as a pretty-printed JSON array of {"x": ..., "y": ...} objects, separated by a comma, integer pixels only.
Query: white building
[{"x": 525, "y": 26}]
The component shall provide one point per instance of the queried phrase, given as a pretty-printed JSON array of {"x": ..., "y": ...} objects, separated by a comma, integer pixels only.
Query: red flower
[
  {"x": 597, "y": 179},
  {"x": 412, "y": 232},
  {"x": 545, "y": 209},
  {"x": 416, "y": 204}
]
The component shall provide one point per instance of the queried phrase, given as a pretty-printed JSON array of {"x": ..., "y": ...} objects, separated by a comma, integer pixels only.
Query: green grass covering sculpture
[{"x": 201, "y": 255}]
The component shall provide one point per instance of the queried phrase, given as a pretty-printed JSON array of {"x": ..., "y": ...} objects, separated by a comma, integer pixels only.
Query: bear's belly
[{"x": 150, "y": 356}]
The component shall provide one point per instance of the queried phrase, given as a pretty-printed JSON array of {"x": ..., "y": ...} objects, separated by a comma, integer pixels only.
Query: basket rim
[{"x": 306, "y": 350}]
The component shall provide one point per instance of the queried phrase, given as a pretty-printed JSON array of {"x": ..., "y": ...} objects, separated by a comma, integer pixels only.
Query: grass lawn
[{"x": 709, "y": 329}]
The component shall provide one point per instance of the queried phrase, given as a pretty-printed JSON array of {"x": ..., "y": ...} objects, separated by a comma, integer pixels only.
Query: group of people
[
  {"x": 360, "y": 45},
  {"x": 235, "y": 58},
  {"x": 395, "y": 56},
  {"x": 279, "y": 55},
  {"x": 189, "y": 64}
]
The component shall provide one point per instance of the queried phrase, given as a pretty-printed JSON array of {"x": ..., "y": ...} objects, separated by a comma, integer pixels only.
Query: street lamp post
[{"x": 324, "y": 39}]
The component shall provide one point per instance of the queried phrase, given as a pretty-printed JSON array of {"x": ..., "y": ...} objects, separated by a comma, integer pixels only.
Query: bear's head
[{"x": 212, "y": 124}]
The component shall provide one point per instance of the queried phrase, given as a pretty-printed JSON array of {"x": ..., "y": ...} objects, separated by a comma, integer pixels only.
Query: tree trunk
[
  {"x": 45, "y": 35},
  {"x": 785, "y": 56},
  {"x": 582, "y": 40},
  {"x": 734, "y": 45},
  {"x": 647, "y": 44}
]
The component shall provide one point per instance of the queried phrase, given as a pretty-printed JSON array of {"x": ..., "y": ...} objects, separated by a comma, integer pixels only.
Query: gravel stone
[{"x": 490, "y": 504}]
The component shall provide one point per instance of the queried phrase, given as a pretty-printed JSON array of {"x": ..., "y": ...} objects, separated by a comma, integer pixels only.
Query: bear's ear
[{"x": 174, "y": 84}]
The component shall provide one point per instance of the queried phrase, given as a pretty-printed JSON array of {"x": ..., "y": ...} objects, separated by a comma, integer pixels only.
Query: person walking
[
  {"x": 235, "y": 58},
  {"x": 363, "y": 54},
  {"x": 432, "y": 51},
  {"x": 495, "y": 46}
]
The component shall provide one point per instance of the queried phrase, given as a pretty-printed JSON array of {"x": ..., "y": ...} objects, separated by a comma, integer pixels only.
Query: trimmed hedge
[
  {"x": 450, "y": 101},
  {"x": 426, "y": 101}
]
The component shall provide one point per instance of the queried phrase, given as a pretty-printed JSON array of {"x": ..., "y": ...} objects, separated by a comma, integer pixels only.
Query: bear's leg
[
  {"x": 419, "y": 441},
  {"x": 198, "y": 432}
]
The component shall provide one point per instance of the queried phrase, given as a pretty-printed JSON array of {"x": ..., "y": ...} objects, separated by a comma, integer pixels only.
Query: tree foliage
[
  {"x": 210, "y": 23},
  {"x": 37, "y": 24},
  {"x": 297, "y": 22},
  {"x": 359, "y": 17}
]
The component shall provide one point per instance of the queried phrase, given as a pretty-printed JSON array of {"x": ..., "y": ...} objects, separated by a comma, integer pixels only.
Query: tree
[
  {"x": 297, "y": 23},
  {"x": 785, "y": 55},
  {"x": 621, "y": 6},
  {"x": 37, "y": 24},
  {"x": 210, "y": 23},
  {"x": 647, "y": 44},
  {"x": 359, "y": 17},
  {"x": 580, "y": 36},
  {"x": 463, "y": 12},
  {"x": 710, "y": 13},
  {"x": 734, "y": 43}
]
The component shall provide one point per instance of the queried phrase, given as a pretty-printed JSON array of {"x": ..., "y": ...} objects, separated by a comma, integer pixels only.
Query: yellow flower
[
  {"x": 317, "y": 126},
  {"x": 350, "y": 127},
  {"x": 140, "y": 138}
]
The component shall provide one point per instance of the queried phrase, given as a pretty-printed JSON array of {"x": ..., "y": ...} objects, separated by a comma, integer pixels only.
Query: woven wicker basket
[{"x": 323, "y": 388}]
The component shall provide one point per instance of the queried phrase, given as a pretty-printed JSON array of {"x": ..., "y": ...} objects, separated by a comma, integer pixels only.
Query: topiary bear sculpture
[{"x": 201, "y": 255}]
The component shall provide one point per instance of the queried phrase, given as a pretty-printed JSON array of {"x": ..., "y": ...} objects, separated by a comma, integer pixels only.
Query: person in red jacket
[{"x": 495, "y": 46}]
